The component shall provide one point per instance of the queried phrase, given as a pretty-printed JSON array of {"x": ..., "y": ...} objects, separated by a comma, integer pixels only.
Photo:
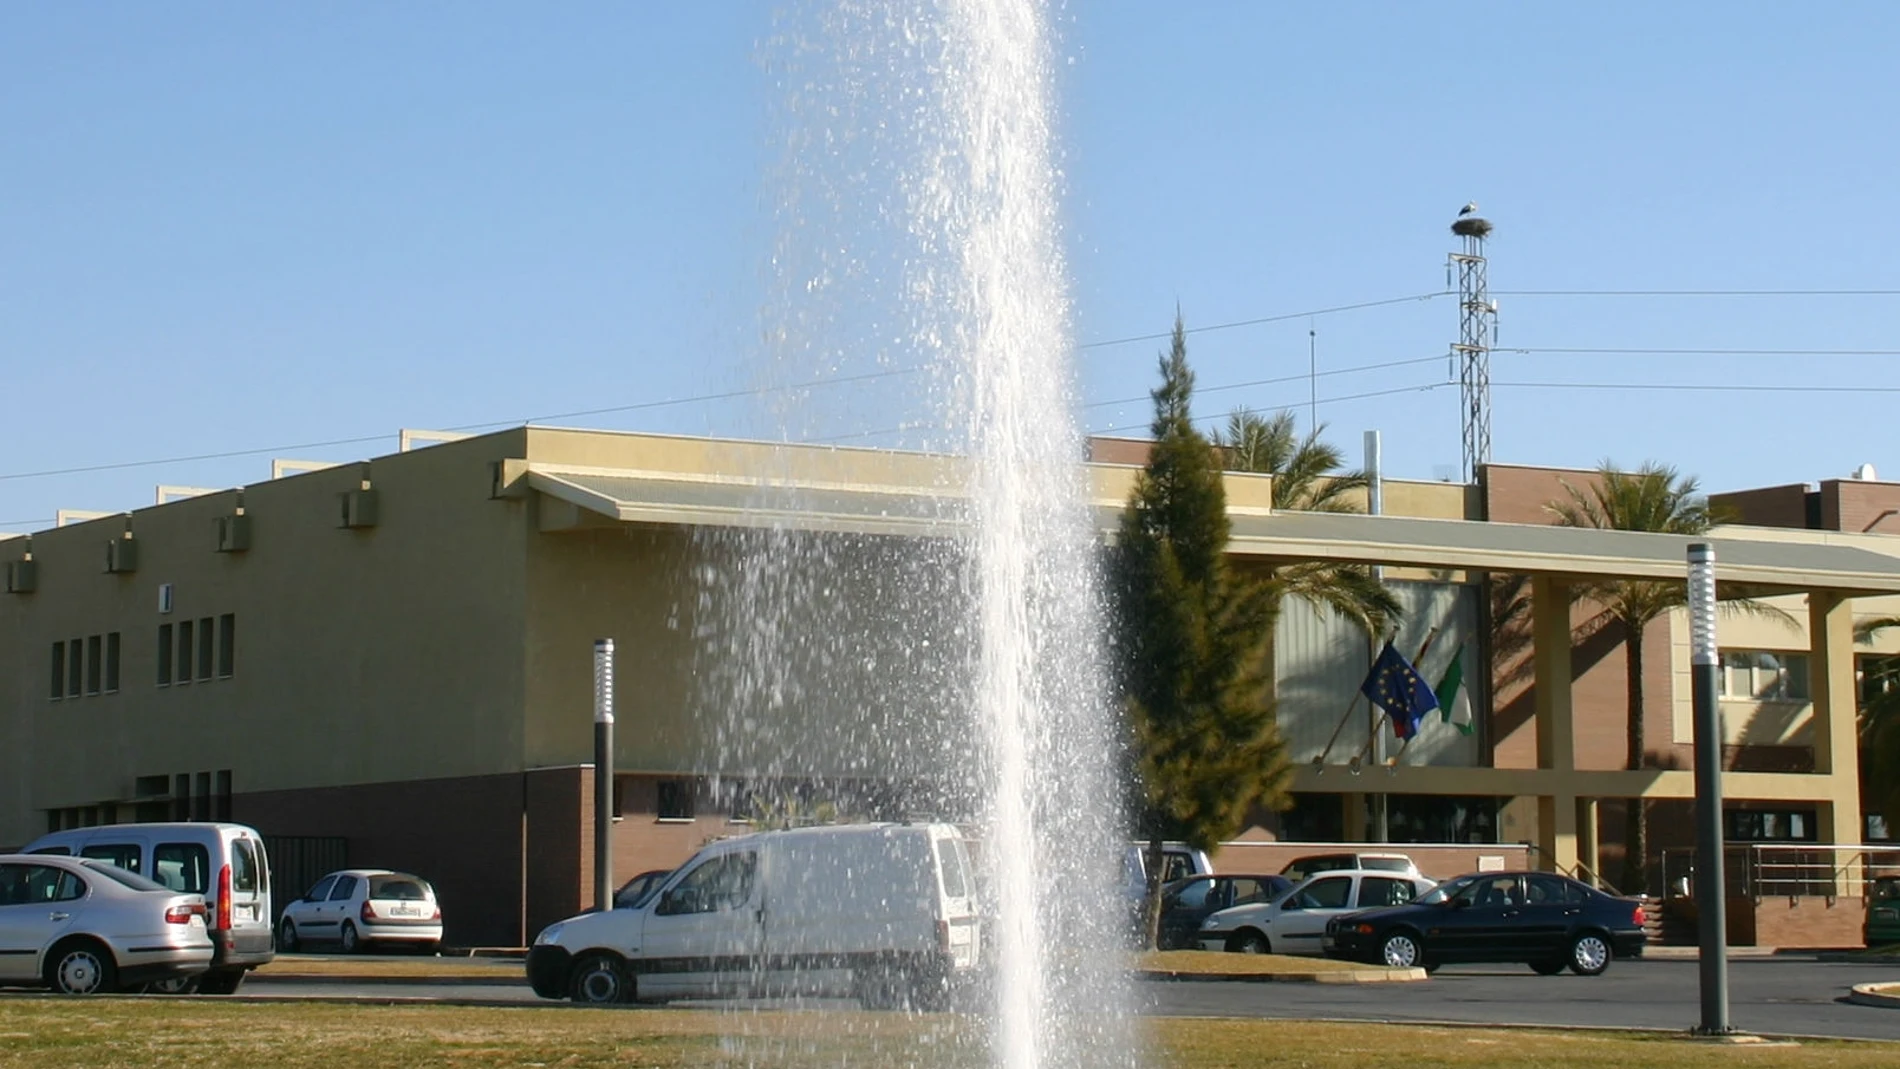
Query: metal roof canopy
[{"x": 1580, "y": 554}]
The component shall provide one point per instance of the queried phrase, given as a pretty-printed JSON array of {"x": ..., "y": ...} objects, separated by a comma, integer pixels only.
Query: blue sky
[{"x": 230, "y": 227}]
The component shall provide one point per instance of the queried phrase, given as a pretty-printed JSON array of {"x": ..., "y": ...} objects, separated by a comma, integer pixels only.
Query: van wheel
[
  {"x": 221, "y": 982},
  {"x": 881, "y": 987},
  {"x": 599, "y": 980},
  {"x": 287, "y": 936},
  {"x": 348, "y": 938},
  {"x": 1249, "y": 942},
  {"x": 81, "y": 967}
]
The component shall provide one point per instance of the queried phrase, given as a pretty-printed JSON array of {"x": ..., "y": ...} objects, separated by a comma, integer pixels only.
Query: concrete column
[
  {"x": 1550, "y": 660},
  {"x": 1835, "y": 727},
  {"x": 1557, "y": 831},
  {"x": 1354, "y": 812},
  {"x": 1587, "y": 838}
]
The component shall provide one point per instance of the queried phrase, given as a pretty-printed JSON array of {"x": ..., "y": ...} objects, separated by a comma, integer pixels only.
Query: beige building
[{"x": 389, "y": 661}]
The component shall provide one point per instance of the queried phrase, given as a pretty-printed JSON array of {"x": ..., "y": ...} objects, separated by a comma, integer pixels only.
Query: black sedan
[
  {"x": 1186, "y": 903},
  {"x": 1546, "y": 921}
]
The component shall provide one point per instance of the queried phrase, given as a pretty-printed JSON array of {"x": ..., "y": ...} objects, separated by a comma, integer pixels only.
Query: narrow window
[
  {"x": 205, "y": 648},
  {"x": 95, "y": 664},
  {"x": 676, "y": 800},
  {"x": 164, "y": 655},
  {"x": 201, "y": 798},
  {"x": 59, "y": 672},
  {"x": 181, "y": 796},
  {"x": 227, "y": 645},
  {"x": 75, "y": 668},
  {"x": 224, "y": 794},
  {"x": 185, "y": 657},
  {"x": 112, "y": 662}
]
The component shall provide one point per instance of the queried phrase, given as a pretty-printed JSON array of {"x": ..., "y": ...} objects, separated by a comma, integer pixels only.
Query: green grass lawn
[{"x": 52, "y": 1033}]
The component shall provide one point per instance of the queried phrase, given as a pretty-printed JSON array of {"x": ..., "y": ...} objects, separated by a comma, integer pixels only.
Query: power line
[
  {"x": 1700, "y": 352},
  {"x": 1277, "y": 381},
  {"x": 1698, "y": 293},
  {"x": 1724, "y": 387},
  {"x": 1265, "y": 319}
]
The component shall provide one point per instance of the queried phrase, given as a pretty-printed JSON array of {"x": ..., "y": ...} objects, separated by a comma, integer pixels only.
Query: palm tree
[
  {"x": 1880, "y": 728},
  {"x": 1657, "y": 499},
  {"x": 1307, "y": 477}
]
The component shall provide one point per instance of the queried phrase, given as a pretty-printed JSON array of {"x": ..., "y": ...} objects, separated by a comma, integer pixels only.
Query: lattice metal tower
[{"x": 1477, "y": 324}]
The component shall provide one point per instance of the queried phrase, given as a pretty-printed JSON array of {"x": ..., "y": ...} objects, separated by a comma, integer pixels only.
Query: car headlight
[{"x": 550, "y": 933}]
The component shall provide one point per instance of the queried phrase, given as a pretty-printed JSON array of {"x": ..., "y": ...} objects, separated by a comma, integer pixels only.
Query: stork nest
[{"x": 1472, "y": 227}]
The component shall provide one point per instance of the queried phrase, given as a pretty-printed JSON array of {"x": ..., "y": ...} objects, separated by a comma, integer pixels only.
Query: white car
[
  {"x": 356, "y": 907},
  {"x": 84, "y": 927},
  {"x": 1293, "y": 922}
]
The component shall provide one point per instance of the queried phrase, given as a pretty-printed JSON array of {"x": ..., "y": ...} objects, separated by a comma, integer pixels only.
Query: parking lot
[{"x": 1789, "y": 995}]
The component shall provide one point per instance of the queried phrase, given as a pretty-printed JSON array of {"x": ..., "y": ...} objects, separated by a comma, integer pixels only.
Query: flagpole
[{"x": 1392, "y": 762}]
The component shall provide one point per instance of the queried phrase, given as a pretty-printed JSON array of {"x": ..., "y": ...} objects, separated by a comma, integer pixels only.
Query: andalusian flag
[{"x": 1454, "y": 701}]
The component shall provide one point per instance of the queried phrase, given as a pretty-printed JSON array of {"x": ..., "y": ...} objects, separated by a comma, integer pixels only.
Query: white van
[
  {"x": 223, "y": 862},
  {"x": 882, "y": 912}
]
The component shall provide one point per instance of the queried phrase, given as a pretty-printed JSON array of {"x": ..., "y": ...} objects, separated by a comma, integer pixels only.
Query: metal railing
[
  {"x": 1789, "y": 870},
  {"x": 1578, "y": 871}
]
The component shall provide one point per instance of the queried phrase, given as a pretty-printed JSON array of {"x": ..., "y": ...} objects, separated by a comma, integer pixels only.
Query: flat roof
[{"x": 1581, "y": 554}]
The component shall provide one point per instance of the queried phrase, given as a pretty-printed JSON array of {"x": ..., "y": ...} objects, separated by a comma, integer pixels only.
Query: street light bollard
[
  {"x": 603, "y": 773},
  {"x": 1711, "y": 884}
]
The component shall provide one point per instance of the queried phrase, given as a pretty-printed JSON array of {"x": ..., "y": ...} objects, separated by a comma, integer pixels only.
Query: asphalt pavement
[{"x": 1785, "y": 995}]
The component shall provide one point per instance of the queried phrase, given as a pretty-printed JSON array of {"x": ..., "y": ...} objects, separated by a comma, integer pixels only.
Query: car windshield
[
  {"x": 639, "y": 889},
  {"x": 130, "y": 879},
  {"x": 398, "y": 888},
  {"x": 1445, "y": 892}
]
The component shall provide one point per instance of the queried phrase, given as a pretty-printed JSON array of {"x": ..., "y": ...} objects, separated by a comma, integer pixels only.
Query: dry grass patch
[
  {"x": 1214, "y": 962},
  {"x": 420, "y": 968},
  {"x": 49, "y": 1033}
]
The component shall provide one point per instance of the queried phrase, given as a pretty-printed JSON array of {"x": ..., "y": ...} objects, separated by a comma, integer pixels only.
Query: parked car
[
  {"x": 1301, "y": 867},
  {"x": 1186, "y": 903},
  {"x": 226, "y": 863},
  {"x": 1546, "y": 921},
  {"x": 357, "y": 907},
  {"x": 1293, "y": 921},
  {"x": 1883, "y": 912},
  {"x": 634, "y": 893},
  {"x": 87, "y": 927},
  {"x": 885, "y": 912}
]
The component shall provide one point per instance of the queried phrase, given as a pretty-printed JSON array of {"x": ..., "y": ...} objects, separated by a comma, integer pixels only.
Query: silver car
[{"x": 84, "y": 927}]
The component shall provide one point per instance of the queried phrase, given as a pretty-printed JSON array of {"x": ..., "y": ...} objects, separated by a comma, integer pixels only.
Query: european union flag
[{"x": 1394, "y": 685}]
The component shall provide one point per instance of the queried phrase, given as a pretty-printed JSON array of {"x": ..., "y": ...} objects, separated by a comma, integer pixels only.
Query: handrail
[{"x": 1595, "y": 876}]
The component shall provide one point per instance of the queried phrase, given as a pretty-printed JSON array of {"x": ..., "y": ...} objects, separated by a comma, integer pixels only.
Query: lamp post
[
  {"x": 1710, "y": 881},
  {"x": 603, "y": 773}
]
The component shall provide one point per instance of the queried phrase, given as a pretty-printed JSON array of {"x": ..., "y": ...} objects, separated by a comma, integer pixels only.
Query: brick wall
[
  {"x": 1852, "y": 505},
  {"x": 1808, "y": 922},
  {"x": 1771, "y": 506}
]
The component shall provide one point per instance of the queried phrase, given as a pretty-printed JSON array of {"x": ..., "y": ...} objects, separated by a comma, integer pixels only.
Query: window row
[
  {"x": 1765, "y": 675},
  {"x": 85, "y": 666},
  {"x": 182, "y": 797},
  {"x": 203, "y": 649}
]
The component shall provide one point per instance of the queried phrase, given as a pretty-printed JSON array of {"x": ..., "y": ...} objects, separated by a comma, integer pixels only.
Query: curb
[
  {"x": 1681, "y": 953},
  {"x": 1331, "y": 976},
  {"x": 1886, "y": 996}
]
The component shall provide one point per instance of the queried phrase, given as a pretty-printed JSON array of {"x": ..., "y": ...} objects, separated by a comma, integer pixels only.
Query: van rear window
[
  {"x": 182, "y": 867},
  {"x": 125, "y": 855},
  {"x": 950, "y": 861},
  {"x": 243, "y": 867}
]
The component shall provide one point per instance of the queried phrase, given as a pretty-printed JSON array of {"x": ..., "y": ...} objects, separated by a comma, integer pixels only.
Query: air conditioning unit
[
  {"x": 23, "y": 576},
  {"x": 356, "y": 508},
  {"x": 122, "y": 555},
  {"x": 233, "y": 533}
]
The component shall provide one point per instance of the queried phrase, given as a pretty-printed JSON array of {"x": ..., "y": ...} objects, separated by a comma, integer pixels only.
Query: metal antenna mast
[{"x": 1477, "y": 324}]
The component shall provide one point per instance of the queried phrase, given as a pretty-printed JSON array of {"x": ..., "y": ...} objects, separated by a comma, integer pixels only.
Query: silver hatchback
[{"x": 84, "y": 927}]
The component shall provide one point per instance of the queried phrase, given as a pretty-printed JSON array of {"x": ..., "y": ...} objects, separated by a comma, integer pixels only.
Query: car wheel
[
  {"x": 348, "y": 939},
  {"x": 173, "y": 985},
  {"x": 221, "y": 982},
  {"x": 1401, "y": 951},
  {"x": 1548, "y": 968},
  {"x": 599, "y": 980},
  {"x": 82, "y": 967},
  {"x": 1249, "y": 942},
  {"x": 287, "y": 936},
  {"x": 1589, "y": 954}
]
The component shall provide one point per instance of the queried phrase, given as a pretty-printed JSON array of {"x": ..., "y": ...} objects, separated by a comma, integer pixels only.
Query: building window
[
  {"x": 164, "y": 655},
  {"x": 1770, "y": 825},
  {"x": 181, "y": 796},
  {"x": 201, "y": 798},
  {"x": 223, "y": 804},
  {"x": 227, "y": 645},
  {"x": 59, "y": 672},
  {"x": 1876, "y": 829},
  {"x": 676, "y": 799},
  {"x": 206, "y": 651},
  {"x": 1764, "y": 675},
  {"x": 185, "y": 658},
  {"x": 75, "y": 667},
  {"x": 112, "y": 662},
  {"x": 95, "y": 664}
]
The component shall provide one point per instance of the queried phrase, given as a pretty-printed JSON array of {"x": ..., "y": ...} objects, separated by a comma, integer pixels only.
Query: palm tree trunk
[{"x": 1636, "y": 839}]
